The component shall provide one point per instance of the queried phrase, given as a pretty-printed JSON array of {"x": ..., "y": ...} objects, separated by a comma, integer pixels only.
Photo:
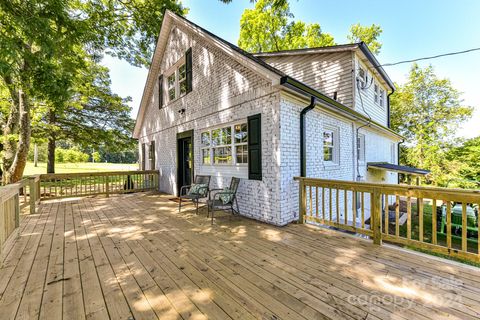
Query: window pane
[
  {"x": 183, "y": 87},
  {"x": 241, "y": 133},
  {"x": 206, "y": 139},
  {"x": 171, "y": 86},
  {"x": 206, "y": 156},
  {"x": 328, "y": 138},
  {"x": 327, "y": 153},
  {"x": 227, "y": 135},
  {"x": 242, "y": 153},
  {"x": 181, "y": 72},
  {"x": 216, "y": 138},
  {"x": 222, "y": 155}
]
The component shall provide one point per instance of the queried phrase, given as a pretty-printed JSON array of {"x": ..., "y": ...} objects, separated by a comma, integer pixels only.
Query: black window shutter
[
  {"x": 188, "y": 69},
  {"x": 160, "y": 91},
  {"x": 255, "y": 147}
]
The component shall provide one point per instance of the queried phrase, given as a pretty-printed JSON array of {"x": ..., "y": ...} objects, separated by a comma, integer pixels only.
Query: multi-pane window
[
  {"x": 328, "y": 145},
  {"x": 151, "y": 155},
  {"x": 171, "y": 86},
  {"x": 376, "y": 93},
  {"x": 177, "y": 82},
  {"x": 382, "y": 98},
  {"x": 361, "y": 147},
  {"x": 225, "y": 145}
]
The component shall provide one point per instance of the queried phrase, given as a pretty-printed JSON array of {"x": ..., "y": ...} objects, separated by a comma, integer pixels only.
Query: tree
[
  {"x": 367, "y": 34},
  {"x": 96, "y": 156},
  {"x": 267, "y": 27},
  {"x": 427, "y": 110},
  {"x": 44, "y": 44},
  {"x": 467, "y": 155}
]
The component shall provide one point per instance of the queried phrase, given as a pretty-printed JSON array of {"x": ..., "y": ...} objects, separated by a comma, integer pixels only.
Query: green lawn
[{"x": 78, "y": 167}]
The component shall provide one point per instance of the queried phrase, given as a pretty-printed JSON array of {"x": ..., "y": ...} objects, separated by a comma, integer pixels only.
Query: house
[{"x": 208, "y": 107}]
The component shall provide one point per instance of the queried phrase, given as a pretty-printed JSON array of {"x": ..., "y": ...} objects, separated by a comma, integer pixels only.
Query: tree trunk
[
  {"x": 51, "y": 144},
  {"x": 16, "y": 152}
]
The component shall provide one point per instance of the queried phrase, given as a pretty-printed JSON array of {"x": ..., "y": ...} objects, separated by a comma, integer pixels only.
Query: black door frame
[{"x": 180, "y": 137}]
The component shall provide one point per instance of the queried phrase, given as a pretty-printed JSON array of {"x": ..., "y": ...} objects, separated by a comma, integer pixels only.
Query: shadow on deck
[{"x": 134, "y": 257}]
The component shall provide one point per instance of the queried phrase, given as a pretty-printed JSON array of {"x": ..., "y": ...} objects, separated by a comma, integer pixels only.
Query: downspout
[
  {"x": 388, "y": 107},
  {"x": 398, "y": 159},
  {"x": 303, "y": 140}
]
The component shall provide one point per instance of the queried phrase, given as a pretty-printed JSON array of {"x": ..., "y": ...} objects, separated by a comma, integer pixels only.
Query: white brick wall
[{"x": 224, "y": 91}]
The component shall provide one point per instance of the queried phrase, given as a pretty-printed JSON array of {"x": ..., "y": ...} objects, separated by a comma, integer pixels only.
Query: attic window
[
  {"x": 376, "y": 92},
  {"x": 177, "y": 81},
  {"x": 382, "y": 98},
  {"x": 362, "y": 75}
]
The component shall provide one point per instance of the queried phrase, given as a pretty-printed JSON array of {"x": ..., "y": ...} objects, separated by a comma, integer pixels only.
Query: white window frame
[
  {"x": 376, "y": 93},
  {"x": 381, "y": 99},
  {"x": 363, "y": 79},
  {"x": 175, "y": 71},
  {"x": 232, "y": 145},
  {"x": 361, "y": 148},
  {"x": 335, "y": 148}
]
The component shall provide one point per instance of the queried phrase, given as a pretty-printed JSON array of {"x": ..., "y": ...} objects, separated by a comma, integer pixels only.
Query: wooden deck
[{"x": 134, "y": 257}]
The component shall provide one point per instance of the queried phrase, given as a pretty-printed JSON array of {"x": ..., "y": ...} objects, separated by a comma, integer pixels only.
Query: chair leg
[
  {"x": 238, "y": 209},
  {"x": 179, "y": 204},
  {"x": 197, "y": 206},
  {"x": 213, "y": 211}
]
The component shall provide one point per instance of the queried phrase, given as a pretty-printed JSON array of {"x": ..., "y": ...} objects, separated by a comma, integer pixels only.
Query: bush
[
  {"x": 96, "y": 156},
  {"x": 70, "y": 155}
]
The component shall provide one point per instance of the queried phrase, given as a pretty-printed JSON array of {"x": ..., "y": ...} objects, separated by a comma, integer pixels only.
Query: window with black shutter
[
  {"x": 188, "y": 67},
  {"x": 255, "y": 147},
  {"x": 151, "y": 155},
  {"x": 160, "y": 91}
]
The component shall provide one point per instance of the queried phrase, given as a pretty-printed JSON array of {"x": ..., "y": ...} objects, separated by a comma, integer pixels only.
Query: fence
[{"x": 438, "y": 220}]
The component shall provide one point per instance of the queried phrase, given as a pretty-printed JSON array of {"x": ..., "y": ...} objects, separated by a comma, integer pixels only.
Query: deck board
[{"x": 135, "y": 257}]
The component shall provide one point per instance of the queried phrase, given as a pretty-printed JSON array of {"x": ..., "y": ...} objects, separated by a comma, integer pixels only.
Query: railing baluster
[
  {"x": 397, "y": 216},
  {"x": 316, "y": 202},
  {"x": 330, "y": 203},
  {"x": 420, "y": 219},
  {"x": 310, "y": 199},
  {"x": 363, "y": 209},
  {"x": 434, "y": 221},
  {"x": 354, "y": 208},
  {"x": 345, "y": 204},
  {"x": 464, "y": 226},
  {"x": 449, "y": 224},
  {"x": 409, "y": 218},
  {"x": 337, "y": 203},
  {"x": 323, "y": 205},
  {"x": 387, "y": 214}
]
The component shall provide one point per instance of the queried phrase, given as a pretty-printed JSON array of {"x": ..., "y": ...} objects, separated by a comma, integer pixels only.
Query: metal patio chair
[
  {"x": 202, "y": 192},
  {"x": 217, "y": 203}
]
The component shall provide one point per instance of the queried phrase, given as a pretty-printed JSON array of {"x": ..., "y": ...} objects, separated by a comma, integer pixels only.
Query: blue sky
[{"x": 411, "y": 29}]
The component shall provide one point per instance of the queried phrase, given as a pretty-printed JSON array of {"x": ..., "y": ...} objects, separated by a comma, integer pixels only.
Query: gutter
[
  {"x": 303, "y": 140},
  {"x": 297, "y": 86}
]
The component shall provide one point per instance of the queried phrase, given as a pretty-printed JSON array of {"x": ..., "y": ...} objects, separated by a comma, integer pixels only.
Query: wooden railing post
[
  {"x": 107, "y": 186},
  {"x": 33, "y": 193},
  {"x": 17, "y": 209},
  {"x": 302, "y": 201},
  {"x": 376, "y": 216}
]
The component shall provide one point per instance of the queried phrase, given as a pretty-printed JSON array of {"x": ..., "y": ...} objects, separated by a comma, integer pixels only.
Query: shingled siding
[
  {"x": 224, "y": 92},
  {"x": 326, "y": 72}
]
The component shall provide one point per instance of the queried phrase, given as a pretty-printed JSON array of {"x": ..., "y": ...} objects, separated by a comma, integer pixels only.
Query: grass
[{"x": 79, "y": 167}]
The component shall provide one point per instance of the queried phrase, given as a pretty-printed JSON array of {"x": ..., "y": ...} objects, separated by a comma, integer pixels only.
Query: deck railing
[
  {"x": 96, "y": 183},
  {"x": 16, "y": 197},
  {"x": 437, "y": 220}
]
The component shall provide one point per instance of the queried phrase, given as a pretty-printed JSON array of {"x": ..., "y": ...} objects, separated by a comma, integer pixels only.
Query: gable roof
[
  {"x": 235, "y": 52},
  {"x": 252, "y": 61},
  {"x": 359, "y": 47}
]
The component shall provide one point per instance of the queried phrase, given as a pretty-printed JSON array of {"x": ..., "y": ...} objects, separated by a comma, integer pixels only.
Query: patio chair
[
  {"x": 224, "y": 199},
  {"x": 194, "y": 192}
]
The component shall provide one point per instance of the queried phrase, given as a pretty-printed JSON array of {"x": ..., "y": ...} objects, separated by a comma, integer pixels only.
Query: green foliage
[
  {"x": 467, "y": 155},
  {"x": 96, "y": 156},
  {"x": 70, "y": 155},
  {"x": 267, "y": 27},
  {"x": 427, "y": 111},
  {"x": 367, "y": 34}
]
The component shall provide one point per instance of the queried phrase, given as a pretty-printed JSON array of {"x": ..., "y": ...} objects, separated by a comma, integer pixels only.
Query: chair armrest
[
  {"x": 213, "y": 191},
  {"x": 218, "y": 194},
  {"x": 185, "y": 188}
]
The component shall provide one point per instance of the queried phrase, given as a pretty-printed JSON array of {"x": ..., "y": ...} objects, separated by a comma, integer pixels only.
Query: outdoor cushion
[
  {"x": 226, "y": 196},
  {"x": 196, "y": 188}
]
